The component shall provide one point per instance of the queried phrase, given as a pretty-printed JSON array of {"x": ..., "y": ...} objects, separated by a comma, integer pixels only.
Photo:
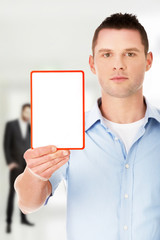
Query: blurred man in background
[{"x": 16, "y": 142}]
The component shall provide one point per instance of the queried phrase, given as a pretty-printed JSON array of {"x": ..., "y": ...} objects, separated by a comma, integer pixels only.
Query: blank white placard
[{"x": 57, "y": 109}]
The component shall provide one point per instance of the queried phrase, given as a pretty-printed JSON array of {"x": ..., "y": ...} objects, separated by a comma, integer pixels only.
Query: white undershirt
[
  {"x": 23, "y": 127},
  {"x": 126, "y": 132}
]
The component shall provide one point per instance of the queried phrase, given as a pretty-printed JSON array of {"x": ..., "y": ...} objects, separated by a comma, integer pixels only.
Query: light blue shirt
[{"x": 112, "y": 195}]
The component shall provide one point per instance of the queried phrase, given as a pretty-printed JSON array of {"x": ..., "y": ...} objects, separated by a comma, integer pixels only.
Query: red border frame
[{"x": 83, "y": 107}]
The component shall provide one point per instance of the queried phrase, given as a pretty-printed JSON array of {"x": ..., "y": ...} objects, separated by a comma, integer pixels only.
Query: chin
[{"x": 119, "y": 94}]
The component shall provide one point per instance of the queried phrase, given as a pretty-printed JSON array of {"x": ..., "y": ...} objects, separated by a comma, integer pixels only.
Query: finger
[
  {"x": 43, "y": 167},
  {"x": 48, "y": 172},
  {"x": 40, "y": 151},
  {"x": 31, "y": 163}
]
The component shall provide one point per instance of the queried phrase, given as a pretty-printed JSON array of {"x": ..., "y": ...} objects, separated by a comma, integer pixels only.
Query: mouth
[{"x": 119, "y": 78}]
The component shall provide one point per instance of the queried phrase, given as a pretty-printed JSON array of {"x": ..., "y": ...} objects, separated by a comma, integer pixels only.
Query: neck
[
  {"x": 24, "y": 120},
  {"x": 123, "y": 110}
]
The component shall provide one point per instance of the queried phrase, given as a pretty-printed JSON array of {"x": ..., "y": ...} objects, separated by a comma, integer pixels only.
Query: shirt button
[
  {"x": 126, "y": 195},
  {"x": 127, "y": 166},
  {"x": 125, "y": 227},
  {"x": 116, "y": 138}
]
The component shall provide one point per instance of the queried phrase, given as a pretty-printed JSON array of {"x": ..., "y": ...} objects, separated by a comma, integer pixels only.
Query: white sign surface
[{"x": 57, "y": 109}]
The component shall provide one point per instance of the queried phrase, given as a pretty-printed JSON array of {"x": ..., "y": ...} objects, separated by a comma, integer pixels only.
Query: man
[
  {"x": 113, "y": 185},
  {"x": 16, "y": 142}
]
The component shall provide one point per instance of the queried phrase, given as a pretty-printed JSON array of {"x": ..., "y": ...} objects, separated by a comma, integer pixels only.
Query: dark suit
[{"x": 14, "y": 147}]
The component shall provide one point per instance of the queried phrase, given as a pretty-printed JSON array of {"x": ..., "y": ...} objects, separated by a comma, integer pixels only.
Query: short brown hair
[
  {"x": 24, "y": 106},
  {"x": 122, "y": 21}
]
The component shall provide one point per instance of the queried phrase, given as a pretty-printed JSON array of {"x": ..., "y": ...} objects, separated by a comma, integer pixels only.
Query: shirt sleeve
[{"x": 56, "y": 178}]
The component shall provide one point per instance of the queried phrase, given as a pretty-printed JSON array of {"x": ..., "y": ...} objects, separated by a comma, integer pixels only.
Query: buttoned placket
[{"x": 127, "y": 180}]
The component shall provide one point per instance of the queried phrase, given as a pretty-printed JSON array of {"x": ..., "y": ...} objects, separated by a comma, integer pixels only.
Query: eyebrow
[
  {"x": 126, "y": 49},
  {"x": 132, "y": 49},
  {"x": 105, "y": 50}
]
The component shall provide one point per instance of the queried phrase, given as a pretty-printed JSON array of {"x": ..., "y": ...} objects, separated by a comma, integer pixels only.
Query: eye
[
  {"x": 130, "y": 54},
  {"x": 106, "y": 55}
]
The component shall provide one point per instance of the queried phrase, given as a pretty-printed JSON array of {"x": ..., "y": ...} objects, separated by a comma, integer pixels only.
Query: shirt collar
[
  {"x": 94, "y": 115},
  {"x": 21, "y": 121},
  {"x": 151, "y": 112}
]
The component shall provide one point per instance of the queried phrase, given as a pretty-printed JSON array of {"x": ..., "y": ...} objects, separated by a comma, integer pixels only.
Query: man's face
[
  {"x": 26, "y": 114},
  {"x": 119, "y": 62}
]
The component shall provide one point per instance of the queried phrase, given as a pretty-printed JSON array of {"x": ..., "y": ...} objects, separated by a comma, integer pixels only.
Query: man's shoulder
[{"x": 12, "y": 122}]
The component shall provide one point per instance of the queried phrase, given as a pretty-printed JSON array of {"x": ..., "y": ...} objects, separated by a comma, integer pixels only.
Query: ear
[
  {"x": 149, "y": 60},
  {"x": 91, "y": 63}
]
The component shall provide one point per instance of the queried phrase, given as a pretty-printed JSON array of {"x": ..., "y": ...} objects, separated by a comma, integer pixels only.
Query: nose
[{"x": 119, "y": 63}]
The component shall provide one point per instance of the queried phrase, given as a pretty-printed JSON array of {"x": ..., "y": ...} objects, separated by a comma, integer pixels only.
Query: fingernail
[
  {"x": 53, "y": 149},
  {"x": 65, "y": 153}
]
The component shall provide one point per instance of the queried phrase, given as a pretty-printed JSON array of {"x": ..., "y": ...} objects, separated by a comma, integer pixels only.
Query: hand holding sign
[{"x": 44, "y": 161}]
